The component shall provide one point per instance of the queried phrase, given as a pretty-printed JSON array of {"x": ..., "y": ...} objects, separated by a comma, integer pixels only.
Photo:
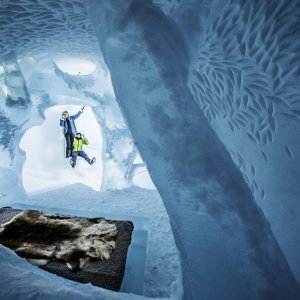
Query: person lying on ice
[
  {"x": 79, "y": 141},
  {"x": 69, "y": 129}
]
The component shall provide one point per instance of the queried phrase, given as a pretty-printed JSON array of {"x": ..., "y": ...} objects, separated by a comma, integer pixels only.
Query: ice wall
[
  {"x": 239, "y": 62},
  {"x": 17, "y": 94},
  {"x": 244, "y": 75},
  {"x": 227, "y": 248},
  {"x": 54, "y": 27},
  {"x": 15, "y": 109}
]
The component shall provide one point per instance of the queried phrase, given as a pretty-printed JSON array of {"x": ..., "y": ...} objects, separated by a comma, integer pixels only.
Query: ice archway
[
  {"x": 46, "y": 167},
  {"x": 179, "y": 69}
]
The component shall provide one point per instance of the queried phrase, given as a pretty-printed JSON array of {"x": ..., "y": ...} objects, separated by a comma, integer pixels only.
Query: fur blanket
[{"x": 42, "y": 238}]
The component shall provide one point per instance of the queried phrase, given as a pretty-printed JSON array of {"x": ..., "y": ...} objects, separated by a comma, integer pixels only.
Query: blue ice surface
[
  {"x": 230, "y": 236},
  {"x": 135, "y": 264},
  {"x": 222, "y": 234}
]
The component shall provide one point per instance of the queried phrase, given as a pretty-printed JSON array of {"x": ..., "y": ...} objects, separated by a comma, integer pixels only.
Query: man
[
  {"x": 69, "y": 129},
  {"x": 79, "y": 141}
]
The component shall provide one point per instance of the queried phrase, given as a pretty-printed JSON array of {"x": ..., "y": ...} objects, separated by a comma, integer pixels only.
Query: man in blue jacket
[{"x": 69, "y": 129}]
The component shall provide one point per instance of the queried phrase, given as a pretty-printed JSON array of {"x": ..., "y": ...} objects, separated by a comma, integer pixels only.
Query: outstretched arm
[{"x": 77, "y": 115}]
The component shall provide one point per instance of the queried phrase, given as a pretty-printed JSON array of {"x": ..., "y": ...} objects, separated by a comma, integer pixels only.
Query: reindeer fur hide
[{"x": 41, "y": 238}]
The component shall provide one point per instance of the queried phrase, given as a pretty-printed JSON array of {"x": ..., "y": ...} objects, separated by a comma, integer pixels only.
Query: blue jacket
[{"x": 63, "y": 123}]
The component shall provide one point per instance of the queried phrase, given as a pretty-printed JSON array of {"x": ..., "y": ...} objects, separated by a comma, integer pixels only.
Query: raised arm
[{"x": 77, "y": 115}]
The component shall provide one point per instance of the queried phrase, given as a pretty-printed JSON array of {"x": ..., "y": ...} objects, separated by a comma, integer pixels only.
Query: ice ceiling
[{"x": 210, "y": 92}]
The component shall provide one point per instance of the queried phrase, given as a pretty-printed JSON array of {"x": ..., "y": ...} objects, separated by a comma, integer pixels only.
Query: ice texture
[
  {"x": 54, "y": 27},
  {"x": 17, "y": 94},
  {"x": 245, "y": 78},
  {"x": 220, "y": 230},
  {"x": 209, "y": 92}
]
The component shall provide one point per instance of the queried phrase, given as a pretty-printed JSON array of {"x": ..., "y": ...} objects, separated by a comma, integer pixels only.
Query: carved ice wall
[
  {"x": 245, "y": 76},
  {"x": 30, "y": 27},
  {"x": 60, "y": 28}
]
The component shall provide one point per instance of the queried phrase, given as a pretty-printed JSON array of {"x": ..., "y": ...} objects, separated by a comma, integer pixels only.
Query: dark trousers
[
  {"x": 82, "y": 154},
  {"x": 69, "y": 141}
]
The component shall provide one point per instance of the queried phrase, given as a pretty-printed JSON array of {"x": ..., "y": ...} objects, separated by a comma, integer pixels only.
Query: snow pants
[
  {"x": 69, "y": 141},
  {"x": 82, "y": 154}
]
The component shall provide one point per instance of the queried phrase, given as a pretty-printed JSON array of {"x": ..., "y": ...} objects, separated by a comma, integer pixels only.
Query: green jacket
[{"x": 78, "y": 143}]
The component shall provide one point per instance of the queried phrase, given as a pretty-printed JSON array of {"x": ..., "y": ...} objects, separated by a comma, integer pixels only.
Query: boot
[
  {"x": 73, "y": 163},
  {"x": 92, "y": 161},
  {"x": 69, "y": 153}
]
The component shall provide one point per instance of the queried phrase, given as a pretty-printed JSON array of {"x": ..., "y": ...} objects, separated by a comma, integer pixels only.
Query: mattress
[{"x": 107, "y": 274}]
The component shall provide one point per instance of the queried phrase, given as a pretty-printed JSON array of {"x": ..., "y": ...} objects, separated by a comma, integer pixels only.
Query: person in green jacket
[{"x": 78, "y": 142}]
